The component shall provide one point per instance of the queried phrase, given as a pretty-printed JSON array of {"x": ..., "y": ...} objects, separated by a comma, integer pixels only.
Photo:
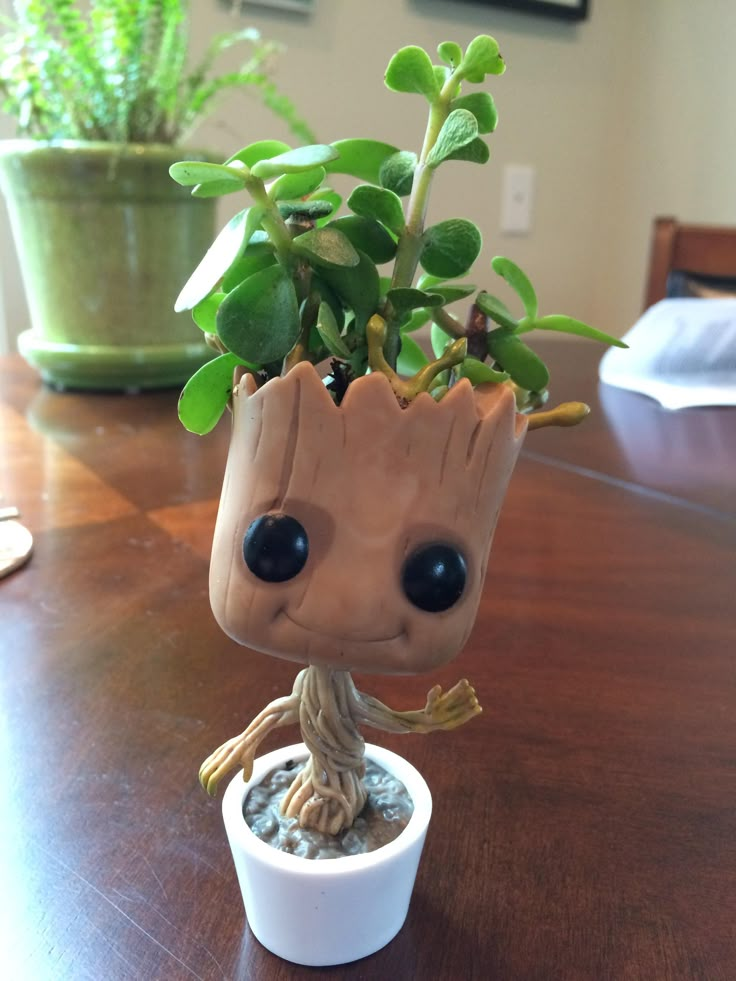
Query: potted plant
[
  {"x": 364, "y": 477},
  {"x": 103, "y": 97}
]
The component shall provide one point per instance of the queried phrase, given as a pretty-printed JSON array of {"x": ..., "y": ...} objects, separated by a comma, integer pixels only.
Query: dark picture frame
[
  {"x": 563, "y": 9},
  {"x": 293, "y": 6}
]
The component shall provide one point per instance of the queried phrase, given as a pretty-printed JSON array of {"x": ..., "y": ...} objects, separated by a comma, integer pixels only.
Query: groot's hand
[
  {"x": 241, "y": 750},
  {"x": 444, "y": 710},
  {"x": 238, "y": 751},
  {"x": 448, "y": 710}
]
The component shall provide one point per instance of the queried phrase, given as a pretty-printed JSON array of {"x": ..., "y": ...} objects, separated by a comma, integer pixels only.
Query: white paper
[{"x": 681, "y": 352}]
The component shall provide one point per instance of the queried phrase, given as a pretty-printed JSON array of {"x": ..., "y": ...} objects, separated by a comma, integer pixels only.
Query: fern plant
[{"x": 118, "y": 71}]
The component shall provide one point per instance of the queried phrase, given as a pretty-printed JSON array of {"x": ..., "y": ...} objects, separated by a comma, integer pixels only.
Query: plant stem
[
  {"x": 410, "y": 241},
  {"x": 272, "y": 222},
  {"x": 448, "y": 323}
]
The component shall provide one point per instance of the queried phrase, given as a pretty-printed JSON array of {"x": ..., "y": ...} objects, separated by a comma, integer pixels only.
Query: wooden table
[{"x": 584, "y": 825}]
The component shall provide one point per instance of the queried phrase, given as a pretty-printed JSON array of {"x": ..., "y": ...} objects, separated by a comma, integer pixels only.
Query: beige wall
[
  {"x": 553, "y": 106},
  {"x": 623, "y": 116},
  {"x": 672, "y": 140}
]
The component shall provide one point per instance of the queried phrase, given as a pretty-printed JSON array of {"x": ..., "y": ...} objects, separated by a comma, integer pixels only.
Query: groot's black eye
[
  {"x": 275, "y": 547},
  {"x": 434, "y": 577}
]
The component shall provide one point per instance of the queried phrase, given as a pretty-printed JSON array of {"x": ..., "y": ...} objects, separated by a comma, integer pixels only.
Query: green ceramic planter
[{"x": 105, "y": 241}]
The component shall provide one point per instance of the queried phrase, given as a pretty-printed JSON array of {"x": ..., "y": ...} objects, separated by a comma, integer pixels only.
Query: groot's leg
[
  {"x": 444, "y": 710},
  {"x": 241, "y": 750},
  {"x": 328, "y": 794}
]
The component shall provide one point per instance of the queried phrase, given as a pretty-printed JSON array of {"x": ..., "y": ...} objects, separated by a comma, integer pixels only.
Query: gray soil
[{"x": 384, "y": 817}]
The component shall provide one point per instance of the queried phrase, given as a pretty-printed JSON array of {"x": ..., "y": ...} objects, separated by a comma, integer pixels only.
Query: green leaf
[
  {"x": 295, "y": 161},
  {"x": 481, "y": 59},
  {"x": 417, "y": 319},
  {"x": 474, "y": 152},
  {"x": 439, "y": 340},
  {"x": 330, "y": 333},
  {"x": 243, "y": 267},
  {"x": 441, "y": 74},
  {"x": 262, "y": 150},
  {"x": 522, "y": 364},
  {"x": 204, "y": 314},
  {"x": 368, "y": 235},
  {"x": 259, "y": 320},
  {"x": 357, "y": 287},
  {"x": 290, "y": 186},
  {"x": 497, "y": 310},
  {"x": 427, "y": 282},
  {"x": 225, "y": 249},
  {"x": 326, "y": 247},
  {"x": 452, "y": 293},
  {"x": 309, "y": 209},
  {"x": 405, "y": 298},
  {"x": 379, "y": 203},
  {"x": 328, "y": 196},
  {"x": 359, "y": 360},
  {"x": 459, "y": 129},
  {"x": 253, "y": 225},
  {"x": 191, "y": 172},
  {"x": 259, "y": 240},
  {"x": 215, "y": 189},
  {"x": 410, "y": 70},
  {"x": 519, "y": 283},
  {"x": 360, "y": 158},
  {"x": 397, "y": 172},
  {"x": 328, "y": 295},
  {"x": 450, "y": 53},
  {"x": 207, "y": 393},
  {"x": 479, "y": 373},
  {"x": 411, "y": 357},
  {"x": 567, "y": 325},
  {"x": 450, "y": 248},
  {"x": 482, "y": 106}
]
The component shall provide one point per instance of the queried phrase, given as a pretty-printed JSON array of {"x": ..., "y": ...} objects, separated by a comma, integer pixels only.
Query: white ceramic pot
[{"x": 329, "y": 911}]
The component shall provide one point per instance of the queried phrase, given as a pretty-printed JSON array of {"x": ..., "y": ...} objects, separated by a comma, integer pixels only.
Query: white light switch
[{"x": 517, "y": 198}]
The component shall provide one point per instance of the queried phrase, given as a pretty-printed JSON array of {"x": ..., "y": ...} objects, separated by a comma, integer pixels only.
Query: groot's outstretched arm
[
  {"x": 444, "y": 710},
  {"x": 241, "y": 750}
]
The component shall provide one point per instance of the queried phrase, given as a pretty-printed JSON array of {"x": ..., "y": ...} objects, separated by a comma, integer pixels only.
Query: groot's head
[{"x": 357, "y": 536}]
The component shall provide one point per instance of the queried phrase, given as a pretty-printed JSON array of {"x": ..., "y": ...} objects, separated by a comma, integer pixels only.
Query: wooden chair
[{"x": 700, "y": 250}]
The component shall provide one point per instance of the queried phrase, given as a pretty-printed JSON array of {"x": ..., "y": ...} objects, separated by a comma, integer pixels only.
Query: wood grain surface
[{"x": 584, "y": 826}]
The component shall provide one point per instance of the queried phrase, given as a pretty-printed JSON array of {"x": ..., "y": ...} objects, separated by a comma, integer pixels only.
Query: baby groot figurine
[{"x": 354, "y": 537}]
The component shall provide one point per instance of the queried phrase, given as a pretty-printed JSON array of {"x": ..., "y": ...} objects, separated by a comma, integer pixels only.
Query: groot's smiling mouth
[{"x": 342, "y": 635}]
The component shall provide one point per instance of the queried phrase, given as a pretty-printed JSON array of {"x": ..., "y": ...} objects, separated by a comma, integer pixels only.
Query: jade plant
[
  {"x": 290, "y": 279},
  {"x": 353, "y": 533}
]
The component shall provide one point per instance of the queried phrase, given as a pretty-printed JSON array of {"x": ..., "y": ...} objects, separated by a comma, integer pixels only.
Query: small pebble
[{"x": 384, "y": 817}]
